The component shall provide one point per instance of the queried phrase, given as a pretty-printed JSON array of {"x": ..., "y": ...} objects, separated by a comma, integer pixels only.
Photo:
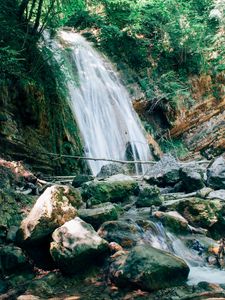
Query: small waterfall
[{"x": 99, "y": 102}]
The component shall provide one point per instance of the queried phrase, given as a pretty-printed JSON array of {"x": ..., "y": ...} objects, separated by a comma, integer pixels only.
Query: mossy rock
[
  {"x": 109, "y": 191},
  {"x": 149, "y": 196}
]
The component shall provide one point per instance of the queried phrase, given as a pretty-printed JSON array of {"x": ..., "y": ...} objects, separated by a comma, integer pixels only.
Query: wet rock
[
  {"x": 116, "y": 189},
  {"x": 173, "y": 220},
  {"x": 12, "y": 258},
  {"x": 216, "y": 174},
  {"x": 165, "y": 172},
  {"x": 57, "y": 205},
  {"x": 99, "y": 214},
  {"x": 219, "y": 194},
  {"x": 192, "y": 178},
  {"x": 80, "y": 179},
  {"x": 148, "y": 268},
  {"x": 76, "y": 245},
  {"x": 148, "y": 196},
  {"x": 111, "y": 169},
  {"x": 124, "y": 232}
]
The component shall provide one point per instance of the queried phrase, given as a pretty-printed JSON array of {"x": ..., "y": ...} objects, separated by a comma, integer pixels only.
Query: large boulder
[
  {"x": 148, "y": 196},
  {"x": 192, "y": 178},
  {"x": 219, "y": 194},
  {"x": 198, "y": 212},
  {"x": 148, "y": 268},
  {"x": 110, "y": 170},
  {"x": 99, "y": 214},
  {"x": 117, "y": 188},
  {"x": 57, "y": 205},
  {"x": 165, "y": 172},
  {"x": 76, "y": 245},
  {"x": 216, "y": 174}
]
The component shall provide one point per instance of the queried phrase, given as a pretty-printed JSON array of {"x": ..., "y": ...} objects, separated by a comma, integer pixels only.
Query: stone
[
  {"x": 216, "y": 174},
  {"x": 28, "y": 297},
  {"x": 57, "y": 205},
  {"x": 148, "y": 196},
  {"x": 76, "y": 245},
  {"x": 199, "y": 212},
  {"x": 149, "y": 269},
  {"x": 12, "y": 258},
  {"x": 115, "y": 189},
  {"x": 172, "y": 220},
  {"x": 192, "y": 178},
  {"x": 99, "y": 214},
  {"x": 111, "y": 169},
  {"x": 219, "y": 194},
  {"x": 203, "y": 193},
  {"x": 165, "y": 172},
  {"x": 80, "y": 179},
  {"x": 124, "y": 232}
]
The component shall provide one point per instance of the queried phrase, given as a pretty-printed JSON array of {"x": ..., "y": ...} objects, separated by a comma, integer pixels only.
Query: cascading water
[{"x": 99, "y": 102}]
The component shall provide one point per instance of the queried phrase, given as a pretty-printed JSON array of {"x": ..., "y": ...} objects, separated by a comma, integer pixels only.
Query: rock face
[
  {"x": 99, "y": 214},
  {"x": 57, "y": 205},
  {"x": 76, "y": 245},
  {"x": 148, "y": 268},
  {"x": 111, "y": 169},
  {"x": 216, "y": 174},
  {"x": 116, "y": 189},
  {"x": 148, "y": 196}
]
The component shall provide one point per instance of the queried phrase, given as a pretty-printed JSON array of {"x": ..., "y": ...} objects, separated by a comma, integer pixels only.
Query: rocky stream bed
[{"x": 115, "y": 236}]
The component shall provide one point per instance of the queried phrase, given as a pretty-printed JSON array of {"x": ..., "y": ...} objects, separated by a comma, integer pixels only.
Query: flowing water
[{"x": 99, "y": 102}]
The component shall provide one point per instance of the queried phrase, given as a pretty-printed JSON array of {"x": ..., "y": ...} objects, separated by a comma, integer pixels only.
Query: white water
[{"x": 99, "y": 102}]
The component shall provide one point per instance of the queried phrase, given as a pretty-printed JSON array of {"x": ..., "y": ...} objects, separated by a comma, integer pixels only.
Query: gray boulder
[
  {"x": 76, "y": 245},
  {"x": 216, "y": 174},
  {"x": 99, "y": 214},
  {"x": 57, "y": 205},
  {"x": 164, "y": 172},
  {"x": 111, "y": 169},
  {"x": 192, "y": 178},
  {"x": 148, "y": 268}
]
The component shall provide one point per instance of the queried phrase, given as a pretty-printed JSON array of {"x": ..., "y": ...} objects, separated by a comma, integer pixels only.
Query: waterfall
[{"x": 99, "y": 102}]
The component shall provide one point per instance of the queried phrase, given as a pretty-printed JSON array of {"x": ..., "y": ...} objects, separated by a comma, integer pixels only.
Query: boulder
[
  {"x": 216, "y": 174},
  {"x": 80, "y": 179},
  {"x": 99, "y": 214},
  {"x": 111, "y": 169},
  {"x": 192, "y": 178},
  {"x": 148, "y": 268},
  {"x": 124, "y": 232},
  {"x": 148, "y": 196},
  {"x": 117, "y": 188},
  {"x": 199, "y": 212},
  {"x": 12, "y": 258},
  {"x": 219, "y": 194},
  {"x": 173, "y": 220},
  {"x": 76, "y": 245},
  {"x": 165, "y": 172},
  {"x": 57, "y": 205}
]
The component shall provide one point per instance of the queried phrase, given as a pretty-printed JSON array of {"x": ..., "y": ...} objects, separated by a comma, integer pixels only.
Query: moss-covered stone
[
  {"x": 173, "y": 221},
  {"x": 97, "y": 192},
  {"x": 148, "y": 196}
]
